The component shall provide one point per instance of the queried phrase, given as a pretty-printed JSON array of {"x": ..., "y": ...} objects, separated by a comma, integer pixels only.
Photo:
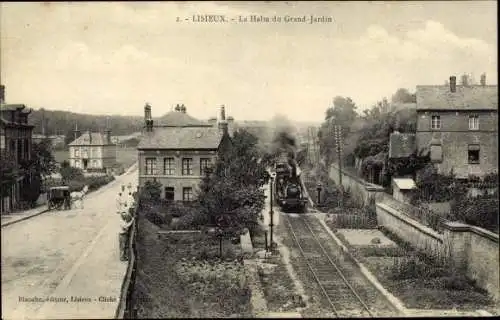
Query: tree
[
  {"x": 230, "y": 194},
  {"x": 9, "y": 172},
  {"x": 402, "y": 95},
  {"x": 343, "y": 111},
  {"x": 43, "y": 158},
  {"x": 69, "y": 173}
]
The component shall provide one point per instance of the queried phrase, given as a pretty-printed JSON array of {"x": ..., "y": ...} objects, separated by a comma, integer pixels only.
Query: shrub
[
  {"x": 95, "y": 182},
  {"x": 482, "y": 211},
  {"x": 191, "y": 220}
]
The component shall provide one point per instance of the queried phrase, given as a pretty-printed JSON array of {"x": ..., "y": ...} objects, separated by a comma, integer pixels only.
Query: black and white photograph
[{"x": 249, "y": 159}]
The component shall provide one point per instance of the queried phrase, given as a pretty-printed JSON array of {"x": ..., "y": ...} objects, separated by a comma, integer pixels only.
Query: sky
[{"x": 113, "y": 57}]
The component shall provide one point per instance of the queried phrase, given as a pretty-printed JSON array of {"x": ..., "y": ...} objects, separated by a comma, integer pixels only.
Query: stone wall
[
  {"x": 470, "y": 248},
  {"x": 361, "y": 190},
  {"x": 409, "y": 230}
]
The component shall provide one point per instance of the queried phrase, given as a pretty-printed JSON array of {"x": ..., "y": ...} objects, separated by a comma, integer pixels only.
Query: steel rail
[
  {"x": 325, "y": 254},
  {"x": 311, "y": 269},
  {"x": 337, "y": 268}
]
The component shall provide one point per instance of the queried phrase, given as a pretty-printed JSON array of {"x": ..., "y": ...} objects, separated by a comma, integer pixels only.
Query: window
[
  {"x": 435, "y": 122},
  {"x": 473, "y": 122},
  {"x": 169, "y": 193},
  {"x": 436, "y": 153},
  {"x": 85, "y": 153},
  {"x": 169, "y": 166},
  {"x": 187, "y": 194},
  {"x": 94, "y": 163},
  {"x": 150, "y": 166},
  {"x": 187, "y": 166},
  {"x": 77, "y": 153},
  {"x": 77, "y": 163},
  {"x": 204, "y": 164},
  {"x": 2, "y": 142},
  {"x": 473, "y": 154}
]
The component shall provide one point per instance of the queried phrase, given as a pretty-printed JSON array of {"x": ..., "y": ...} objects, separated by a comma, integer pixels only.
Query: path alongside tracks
[{"x": 343, "y": 287}]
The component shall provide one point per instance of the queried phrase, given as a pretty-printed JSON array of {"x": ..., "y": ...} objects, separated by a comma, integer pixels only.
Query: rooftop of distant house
[
  {"x": 181, "y": 138},
  {"x": 91, "y": 139},
  {"x": 457, "y": 97},
  {"x": 178, "y": 130}
]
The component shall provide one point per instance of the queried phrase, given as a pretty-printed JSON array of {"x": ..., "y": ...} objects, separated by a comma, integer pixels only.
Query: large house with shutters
[
  {"x": 458, "y": 125},
  {"x": 15, "y": 144},
  {"x": 93, "y": 152},
  {"x": 176, "y": 150}
]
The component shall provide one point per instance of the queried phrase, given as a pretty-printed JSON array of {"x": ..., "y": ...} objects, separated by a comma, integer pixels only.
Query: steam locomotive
[{"x": 288, "y": 189}]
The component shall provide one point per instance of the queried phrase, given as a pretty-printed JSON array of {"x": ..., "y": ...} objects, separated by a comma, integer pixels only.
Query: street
[{"x": 68, "y": 259}]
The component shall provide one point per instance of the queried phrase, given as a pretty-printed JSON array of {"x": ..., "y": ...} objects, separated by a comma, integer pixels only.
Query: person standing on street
[{"x": 125, "y": 206}]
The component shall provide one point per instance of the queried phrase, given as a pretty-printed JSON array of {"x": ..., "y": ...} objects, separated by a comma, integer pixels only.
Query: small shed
[{"x": 402, "y": 188}]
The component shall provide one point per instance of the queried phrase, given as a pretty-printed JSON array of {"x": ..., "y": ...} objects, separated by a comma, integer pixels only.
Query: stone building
[
  {"x": 458, "y": 125},
  {"x": 15, "y": 144},
  {"x": 176, "y": 151},
  {"x": 93, "y": 151}
]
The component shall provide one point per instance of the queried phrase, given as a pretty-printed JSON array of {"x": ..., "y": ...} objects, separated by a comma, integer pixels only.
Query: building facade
[
  {"x": 15, "y": 145},
  {"x": 176, "y": 151},
  {"x": 458, "y": 125},
  {"x": 93, "y": 152}
]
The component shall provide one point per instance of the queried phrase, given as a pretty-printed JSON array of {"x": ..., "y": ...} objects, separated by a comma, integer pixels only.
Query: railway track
[{"x": 347, "y": 293}]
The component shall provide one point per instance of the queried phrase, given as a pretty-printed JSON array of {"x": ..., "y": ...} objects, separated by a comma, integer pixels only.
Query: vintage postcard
[{"x": 249, "y": 159}]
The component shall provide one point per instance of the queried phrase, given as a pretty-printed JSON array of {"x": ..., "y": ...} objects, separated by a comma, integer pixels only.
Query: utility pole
[{"x": 338, "y": 140}]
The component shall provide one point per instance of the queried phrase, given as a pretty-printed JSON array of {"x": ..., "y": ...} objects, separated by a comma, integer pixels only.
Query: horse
[{"x": 79, "y": 195}]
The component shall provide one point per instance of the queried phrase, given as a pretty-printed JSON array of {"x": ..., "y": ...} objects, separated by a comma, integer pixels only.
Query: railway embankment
[{"x": 413, "y": 269}]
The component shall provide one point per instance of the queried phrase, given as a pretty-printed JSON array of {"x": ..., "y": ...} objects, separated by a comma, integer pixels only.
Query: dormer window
[
  {"x": 474, "y": 122},
  {"x": 435, "y": 122}
]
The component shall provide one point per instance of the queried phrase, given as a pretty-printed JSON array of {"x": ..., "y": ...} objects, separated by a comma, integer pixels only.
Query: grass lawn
[
  {"x": 181, "y": 276},
  {"x": 417, "y": 283}
]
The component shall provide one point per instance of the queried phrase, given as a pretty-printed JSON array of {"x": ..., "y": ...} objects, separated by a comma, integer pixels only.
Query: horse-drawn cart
[{"x": 59, "y": 198}]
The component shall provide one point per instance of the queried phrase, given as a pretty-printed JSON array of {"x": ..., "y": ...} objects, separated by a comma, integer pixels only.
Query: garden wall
[
  {"x": 471, "y": 248},
  {"x": 361, "y": 190}
]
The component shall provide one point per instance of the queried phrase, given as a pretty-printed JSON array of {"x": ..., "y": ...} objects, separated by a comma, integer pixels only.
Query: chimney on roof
[
  {"x": 183, "y": 108},
  {"x": 90, "y": 136},
  {"x": 223, "y": 122},
  {"x": 453, "y": 84},
  {"x": 107, "y": 132},
  {"x": 177, "y": 108},
  {"x": 465, "y": 80},
  {"x": 483, "y": 79},
  {"x": 2, "y": 93},
  {"x": 148, "y": 120},
  {"x": 222, "y": 113},
  {"x": 76, "y": 131}
]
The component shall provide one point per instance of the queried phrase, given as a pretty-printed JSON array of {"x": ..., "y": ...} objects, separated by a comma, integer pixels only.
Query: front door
[{"x": 85, "y": 163}]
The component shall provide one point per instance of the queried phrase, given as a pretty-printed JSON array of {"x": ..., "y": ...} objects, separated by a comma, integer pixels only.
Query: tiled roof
[
  {"x": 179, "y": 119},
  {"x": 401, "y": 145},
  {"x": 404, "y": 183},
  {"x": 181, "y": 138},
  {"x": 98, "y": 139},
  {"x": 472, "y": 97}
]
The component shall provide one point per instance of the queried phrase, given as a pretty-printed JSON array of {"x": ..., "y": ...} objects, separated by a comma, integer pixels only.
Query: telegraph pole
[{"x": 338, "y": 140}]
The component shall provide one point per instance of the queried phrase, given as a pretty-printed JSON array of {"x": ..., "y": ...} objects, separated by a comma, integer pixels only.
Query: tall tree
[
  {"x": 402, "y": 95},
  {"x": 230, "y": 194}
]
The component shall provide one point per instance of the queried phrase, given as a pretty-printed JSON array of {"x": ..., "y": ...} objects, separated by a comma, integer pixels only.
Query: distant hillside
[{"x": 63, "y": 122}]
